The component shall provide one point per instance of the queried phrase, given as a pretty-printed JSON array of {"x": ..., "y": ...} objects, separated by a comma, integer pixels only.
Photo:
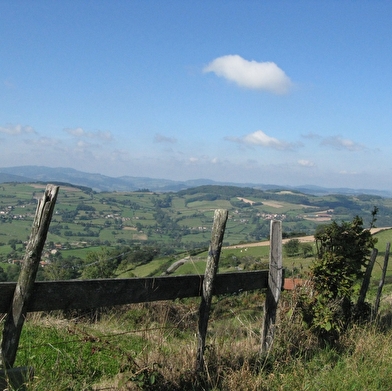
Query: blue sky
[{"x": 279, "y": 92}]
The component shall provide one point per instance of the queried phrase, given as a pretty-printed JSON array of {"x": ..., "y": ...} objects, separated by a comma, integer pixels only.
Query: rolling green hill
[
  {"x": 99, "y": 182},
  {"x": 170, "y": 222}
]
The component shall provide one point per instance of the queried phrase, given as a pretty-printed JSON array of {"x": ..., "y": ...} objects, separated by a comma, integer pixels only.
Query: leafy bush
[
  {"x": 343, "y": 252},
  {"x": 292, "y": 247}
]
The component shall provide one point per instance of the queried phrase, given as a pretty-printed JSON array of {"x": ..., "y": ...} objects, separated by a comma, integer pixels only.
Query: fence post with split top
[
  {"x": 25, "y": 284},
  {"x": 275, "y": 280},
  {"x": 382, "y": 280},
  {"x": 218, "y": 230},
  {"x": 366, "y": 279}
]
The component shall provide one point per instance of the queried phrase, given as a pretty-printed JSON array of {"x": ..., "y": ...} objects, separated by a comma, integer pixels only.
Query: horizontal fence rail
[
  {"x": 85, "y": 294},
  {"x": 27, "y": 295}
]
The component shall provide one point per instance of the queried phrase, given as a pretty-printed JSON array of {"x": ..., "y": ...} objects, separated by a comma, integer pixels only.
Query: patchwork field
[{"x": 85, "y": 221}]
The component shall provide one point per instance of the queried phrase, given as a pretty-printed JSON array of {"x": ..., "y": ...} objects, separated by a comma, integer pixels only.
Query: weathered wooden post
[
  {"x": 366, "y": 279},
  {"x": 24, "y": 287},
  {"x": 275, "y": 279},
  {"x": 218, "y": 230},
  {"x": 382, "y": 280}
]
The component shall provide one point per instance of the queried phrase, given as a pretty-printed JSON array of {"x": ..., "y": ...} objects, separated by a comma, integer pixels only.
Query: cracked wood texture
[
  {"x": 218, "y": 230},
  {"x": 275, "y": 279},
  {"x": 88, "y": 294},
  {"x": 25, "y": 284}
]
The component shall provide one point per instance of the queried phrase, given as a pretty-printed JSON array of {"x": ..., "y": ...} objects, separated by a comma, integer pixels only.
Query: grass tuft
[{"x": 153, "y": 347}]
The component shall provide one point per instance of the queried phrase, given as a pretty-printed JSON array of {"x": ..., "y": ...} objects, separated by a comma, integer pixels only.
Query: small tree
[
  {"x": 3, "y": 275},
  {"x": 292, "y": 247},
  {"x": 306, "y": 250},
  {"x": 343, "y": 252},
  {"x": 99, "y": 264}
]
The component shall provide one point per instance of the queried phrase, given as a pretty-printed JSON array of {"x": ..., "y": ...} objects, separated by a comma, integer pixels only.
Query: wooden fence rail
[
  {"x": 28, "y": 296},
  {"x": 85, "y": 294}
]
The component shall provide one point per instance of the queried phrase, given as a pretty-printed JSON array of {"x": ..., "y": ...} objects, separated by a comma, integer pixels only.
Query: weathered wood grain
[
  {"x": 218, "y": 230},
  {"x": 366, "y": 279},
  {"x": 16, "y": 378},
  {"x": 25, "y": 285},
  {"x": 275, "y": 282},
  {"x": 84, "y": 294},
  {"x": 382, "y": 280}
]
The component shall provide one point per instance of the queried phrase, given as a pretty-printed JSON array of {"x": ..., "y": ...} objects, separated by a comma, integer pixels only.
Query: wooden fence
[{"x": 27, "y": 295}]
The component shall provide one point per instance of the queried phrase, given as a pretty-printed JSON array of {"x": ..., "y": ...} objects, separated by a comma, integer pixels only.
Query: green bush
[{"x": 343, "y": 252}]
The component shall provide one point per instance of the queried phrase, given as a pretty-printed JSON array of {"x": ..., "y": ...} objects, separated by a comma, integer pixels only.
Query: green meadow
[{"x": 176, "y": 223}]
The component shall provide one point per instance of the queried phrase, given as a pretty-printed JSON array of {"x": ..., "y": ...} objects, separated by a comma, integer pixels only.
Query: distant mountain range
[{"x": 99, "y": 182}]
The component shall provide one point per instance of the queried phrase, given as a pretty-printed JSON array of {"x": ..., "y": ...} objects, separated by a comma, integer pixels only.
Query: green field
[
  {"x": 84, "y": 221},
  {"x": 125, "y": 342}
]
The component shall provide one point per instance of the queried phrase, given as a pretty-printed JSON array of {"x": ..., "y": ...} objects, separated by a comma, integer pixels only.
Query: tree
[
  {"x": 3, "y": 275},
  {"x": 13, "y": 272},
  {"x": 99, "y": 264},
  {"x": 306, "y": 249},
  {"x": 343, "y": 252},
  {"x": 61, "y": 269},
  {"x": 12, "y": 243},
  {"x": 137, "y": 256},
  {"x": 292, "y": 247}
]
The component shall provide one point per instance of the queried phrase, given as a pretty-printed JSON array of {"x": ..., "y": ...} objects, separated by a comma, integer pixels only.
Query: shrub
[
  {"x": 343, "y": 252},
  {"x": 292, "y": 247}
]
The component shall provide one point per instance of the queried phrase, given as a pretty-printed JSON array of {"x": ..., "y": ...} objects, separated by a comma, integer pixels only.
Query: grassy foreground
[{"x": 153, "y": 347}]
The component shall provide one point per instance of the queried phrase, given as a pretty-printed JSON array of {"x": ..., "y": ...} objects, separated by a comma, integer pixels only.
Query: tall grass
[{"x": 153, "y": 347}]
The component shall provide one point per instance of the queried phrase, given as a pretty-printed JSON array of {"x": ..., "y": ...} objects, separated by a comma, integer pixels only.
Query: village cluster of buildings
[{"x": 7, "y": 212}]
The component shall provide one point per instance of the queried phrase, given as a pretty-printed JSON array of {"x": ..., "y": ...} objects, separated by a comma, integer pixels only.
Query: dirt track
[{"x": 302, "y": 239}]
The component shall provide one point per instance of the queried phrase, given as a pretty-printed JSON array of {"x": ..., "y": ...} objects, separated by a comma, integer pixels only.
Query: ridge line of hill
[{"x": 104, "y": 183}]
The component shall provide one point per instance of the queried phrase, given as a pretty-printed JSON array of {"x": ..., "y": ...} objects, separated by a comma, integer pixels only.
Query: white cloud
[
  {"x": 305, "y": 163},
  {"x": 43, "y": 142},
  {"x": 159, "y": 138},
  {"x": 251, "y": 74},
  {"x": 341, "y": 143},
  {"x": 259, "y": 138},
  {"x": 15, "y": 130},
  {"x": 80, "y": 133},
  {"x": 345, "y": 172},
  {"x": 200, "y": 160},
  {"x": 82, "y": 145}
]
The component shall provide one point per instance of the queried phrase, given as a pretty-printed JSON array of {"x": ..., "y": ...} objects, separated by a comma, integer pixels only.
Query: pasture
[{"x": 85, "y": 221}]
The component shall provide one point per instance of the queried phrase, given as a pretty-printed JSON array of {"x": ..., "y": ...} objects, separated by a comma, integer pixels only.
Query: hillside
[
  {"x": 99, "y": 182},
  {"x": 170, "y": 222},
  {"x": 152, "y": 346}
]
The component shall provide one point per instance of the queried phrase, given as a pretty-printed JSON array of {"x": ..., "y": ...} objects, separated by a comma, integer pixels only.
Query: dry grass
[{"x": 153, "y": 347}]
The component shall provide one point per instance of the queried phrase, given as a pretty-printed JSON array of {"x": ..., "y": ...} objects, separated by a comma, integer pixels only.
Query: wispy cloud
[
  {"x": 81, "y": 133},
  {"x": 44, "y": 142},
  {"x": 259, "y": 138},
  {"x": 251, "y": 74},
  {"x": 159, "y": 138},
  {"x": 345, "y": 172},
  {"x": 15, "y": 130},
  {"x": 311, "y": 136},
  {"x": 82, "y": 146},
  {"x": 203, "y": 159},
  {"x": 305, "y": 163},
  {"x": 340, "y": 143}
]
